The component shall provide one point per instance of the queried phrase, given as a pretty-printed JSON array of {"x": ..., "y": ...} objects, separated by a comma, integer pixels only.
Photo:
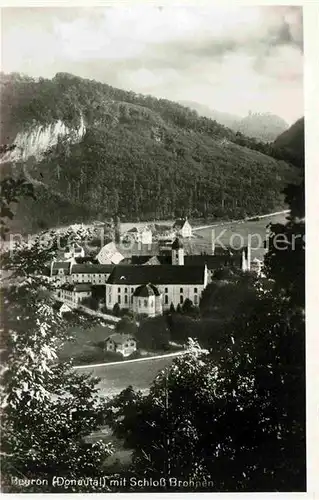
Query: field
[
  {"x": 115, "y": 378},
  {"x": 234, "y": 234},
  {"x": 83, "y": 345}
]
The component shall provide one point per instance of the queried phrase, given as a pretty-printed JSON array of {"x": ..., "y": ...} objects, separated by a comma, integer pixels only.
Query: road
[{"x": 160, "y": 356}]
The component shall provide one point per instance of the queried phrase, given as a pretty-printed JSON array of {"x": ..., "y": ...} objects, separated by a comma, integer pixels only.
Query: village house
[
  {"x": 122, "y": 343},
  {"x": 61, "y": 308},
  {"x": 109, "y": 254},
  {"x": 72, "y": 252},
  {"x": 183, "y": 228},
  {"x": 68, "y": 272},
  {"x": 73, "y": 295},
  {"x": 142, "y": 235},
  {"x": 59, "y": 270}
]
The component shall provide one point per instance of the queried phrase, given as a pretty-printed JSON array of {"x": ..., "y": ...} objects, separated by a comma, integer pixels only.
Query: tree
[
  {"x": 48, "y": 408},
  {"x": 153, "y": 333},
  {"x": 238, "y": 420},
  {"x": 116, "y": 309},
  {"x": 10, "y": 191},
  {"x": 172, "y": 308},
  {"x": 126, "y": 325}
]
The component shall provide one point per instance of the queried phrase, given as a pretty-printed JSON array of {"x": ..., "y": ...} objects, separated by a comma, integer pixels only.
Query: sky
[{"x": 231, "y": 59}]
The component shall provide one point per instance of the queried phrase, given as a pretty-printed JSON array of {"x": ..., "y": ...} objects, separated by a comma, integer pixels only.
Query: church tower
[{"x": 177, "y": 253}]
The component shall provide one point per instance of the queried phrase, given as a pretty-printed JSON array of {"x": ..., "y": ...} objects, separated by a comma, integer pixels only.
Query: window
[
  {"x": 125, "y": 299},
  {"x": 166, "y": 299},
  {"x": 139, "y": 302},
  {"x": 195, "y": 290},
  {"x": 180, "y": 290},
  {"x": 166, "y": 290},
  {"x": 119, "y": 299},
  {"x": 132, "y": 299},
  {"x": 132, "y": 290},
  {"x": 181, "y": 299},
  {"x": 119, "y": 290},
  {"x": 195, "y": 299},
  {"x": 145, "y": 302},
  {"x": 125, "y": 290}
]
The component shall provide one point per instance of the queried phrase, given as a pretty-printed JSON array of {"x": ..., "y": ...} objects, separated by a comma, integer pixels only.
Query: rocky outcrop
[{"x": 39, "y": 139}]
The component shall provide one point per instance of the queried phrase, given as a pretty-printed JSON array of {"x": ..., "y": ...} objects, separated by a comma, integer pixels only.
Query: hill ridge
[{"x": 139, "y": 157}]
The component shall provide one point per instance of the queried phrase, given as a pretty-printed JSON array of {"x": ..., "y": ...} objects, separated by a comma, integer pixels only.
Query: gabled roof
[
  {"x": 213, "y": 261},
  {"x": 163, "y": 274},
  {"x": 78, "y": 287},
  {"x": 73, "y": 248},
  {"x": 179, "y": 223},
  {"x": 139, "y": 229},
  {"x": 86, "y": 259},
  {"x": 120, "y": 338},
  {"x": 109, "y": 245},
  {"x": 92, "y": 268},
  {"x": 82, "y": 287},
  {"x": 153, "y": 261},
  {"x": 57, "y": 265},
  {"x": 148, "y": 259}
]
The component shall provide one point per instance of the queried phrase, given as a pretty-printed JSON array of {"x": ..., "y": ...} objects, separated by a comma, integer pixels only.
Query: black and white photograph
[{"x": 153, "y": 249}]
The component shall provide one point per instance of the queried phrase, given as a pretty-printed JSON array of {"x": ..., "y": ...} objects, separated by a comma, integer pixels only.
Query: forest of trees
[{"x": 141, "y": 157}]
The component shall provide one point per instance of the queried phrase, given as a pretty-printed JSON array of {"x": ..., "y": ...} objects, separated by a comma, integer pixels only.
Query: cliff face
[{"x": 38, "y": 139}]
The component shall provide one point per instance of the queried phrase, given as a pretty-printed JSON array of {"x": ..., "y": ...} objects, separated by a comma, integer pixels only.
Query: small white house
[
  {"x": 123, "y": 343},
  {"x": 183, "y": 228}
]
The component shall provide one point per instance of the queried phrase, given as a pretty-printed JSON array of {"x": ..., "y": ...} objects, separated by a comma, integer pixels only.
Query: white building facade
[{"x": 175, "y": 284}]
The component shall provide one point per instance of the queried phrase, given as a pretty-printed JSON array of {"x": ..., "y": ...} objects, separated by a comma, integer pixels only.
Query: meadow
[
  {"x": 139, "y": 374},
  {"x": 233, "y": 234}
]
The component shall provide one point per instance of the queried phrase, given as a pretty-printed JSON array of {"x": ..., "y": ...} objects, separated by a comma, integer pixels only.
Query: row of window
[
  {"x": 181, "y": 290},
  {"x": 126, "y": 301},
  {"x": 127, "y": 344},
  {"x": 100, "y": 276}
]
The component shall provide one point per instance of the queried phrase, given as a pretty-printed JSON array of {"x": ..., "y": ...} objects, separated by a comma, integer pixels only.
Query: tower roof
[
  {"x": 177, "y": 244},
  {"x": 146, "y": 291}
]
